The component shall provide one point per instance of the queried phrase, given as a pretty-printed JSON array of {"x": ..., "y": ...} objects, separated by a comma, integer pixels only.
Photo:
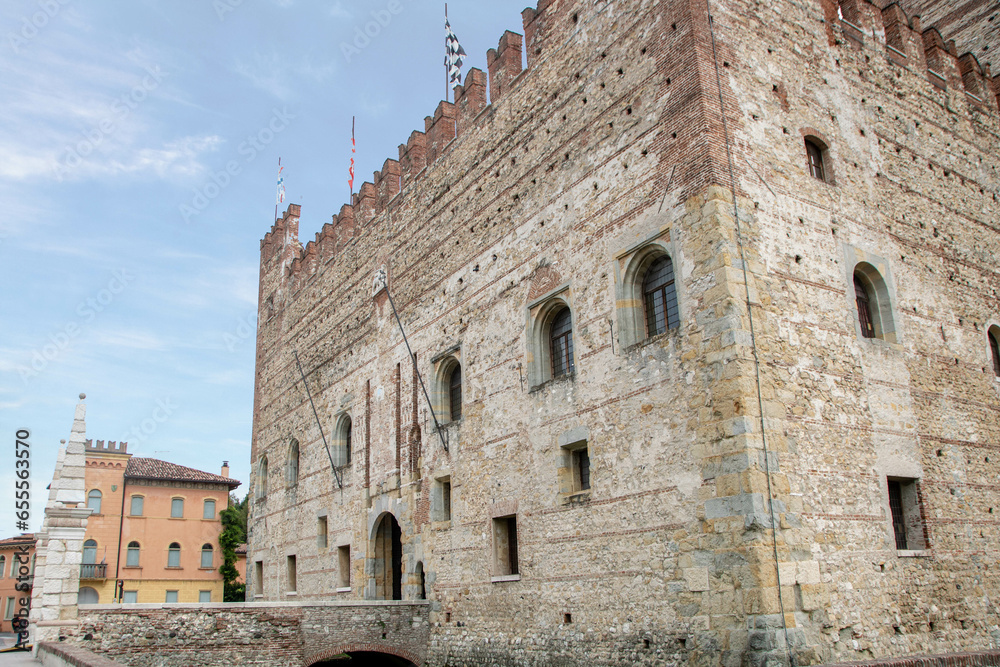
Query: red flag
[{"x": 350, "y": 181}]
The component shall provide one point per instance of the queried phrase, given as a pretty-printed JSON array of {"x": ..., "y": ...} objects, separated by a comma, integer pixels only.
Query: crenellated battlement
[
  {"x": 860, "y": 22},
  {"x": 111, "y": 447},
  {"x": 910, "y": 45}
]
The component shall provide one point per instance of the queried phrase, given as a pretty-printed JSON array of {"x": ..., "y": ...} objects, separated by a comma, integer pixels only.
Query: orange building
[
  {"x": 16, "y": 554},
  {"x": 155, "y": 528}
]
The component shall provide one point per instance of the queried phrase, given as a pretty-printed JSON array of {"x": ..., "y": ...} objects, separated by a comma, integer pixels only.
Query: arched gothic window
[{"x": 660, "y": 297}]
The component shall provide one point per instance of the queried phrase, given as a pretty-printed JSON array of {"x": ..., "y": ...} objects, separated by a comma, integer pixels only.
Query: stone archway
[
  {"x": 362, "y": 658},
  {"x": 388, "y": 559}
]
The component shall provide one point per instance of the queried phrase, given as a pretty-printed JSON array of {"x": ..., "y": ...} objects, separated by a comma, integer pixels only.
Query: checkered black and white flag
[{"x": 454, "y": 55}]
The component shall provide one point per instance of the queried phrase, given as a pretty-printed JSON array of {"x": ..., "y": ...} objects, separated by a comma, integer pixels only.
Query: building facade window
[
  {"x": 660, "y": 297},
  {"x": 132, "y": 555},
  {"x": 344, "y": 567},
  {"x": 873, "y": 303},
  {"x": 8, "y": 611},
  {"x": 574, "y": 471},
  {"x": 292, "y": 465},
  {"x": 814, "y": 157},
  {"x": 177, "y": 508},
  {"x": 135, "y": 506},
  {"x": 94, "y": 501},
  {"x": 505, "y": 561},
  {"x": 343, "y": 441},
  {"x": 561, "y": 344},
  {"x": 88, "y": 595},
  {"x": 262, "y": 478},
  {"x": 908, "y": 531},
  {"x": 174, "y": 555},
  {"x": 3, "y": 566},
  {"x": 994, "y": 339},
  {"x": 322, "y": 532},
  {"x": 208, "y": 510},
  {"x": 864, "y": 308},
  {"x": 89, "y": 553},
  {"x": 206, "y": 556},
  {"x": 171, "y": 596},
  {"x": 204, "y": 596},
  {"x": 258, "y": 578},
  {"x": 130, "y": 597},
  {"x": 292, "y": 574},
  {"x": 455, "y": 392}
]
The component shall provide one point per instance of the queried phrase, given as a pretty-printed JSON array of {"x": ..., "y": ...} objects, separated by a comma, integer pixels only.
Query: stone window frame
[
  {"x": 917, "y": 536},
  {"x": 291, "y": 574},
  {"x": 293, "y": 459},
  {"x": 819, "y": 140},
  {"x": 442, "y": 501},
  {"x": 260, "y": 487},
  {"x": 993, "y": 353},
  {"x": 443, "y": 365},
  {"x": 539, "y": 316},
  {"x": 343, "y": 582},
  {"x": 570, "y": 443},
  {"x": 876, "y": 276},
  {"x": 258, "y": 578},
  {"x": 506, "y": 548},
  {"x": 342, "y": 444},
  {"x": 322, "y": 531},
  {"x": 630, "y": 267}
]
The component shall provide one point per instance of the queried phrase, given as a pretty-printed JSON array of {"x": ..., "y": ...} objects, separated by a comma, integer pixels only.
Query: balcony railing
[{"x": 94, "y": 571}]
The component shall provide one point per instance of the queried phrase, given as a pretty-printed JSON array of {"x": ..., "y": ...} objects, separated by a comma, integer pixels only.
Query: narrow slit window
[
  {"x": 896, "y": 507},
  {"x": 995, "y": 350},
  {"x": 455, "y": 393}
]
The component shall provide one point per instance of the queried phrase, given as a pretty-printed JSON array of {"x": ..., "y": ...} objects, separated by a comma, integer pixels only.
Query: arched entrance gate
[{"x": 388, "y": 560}]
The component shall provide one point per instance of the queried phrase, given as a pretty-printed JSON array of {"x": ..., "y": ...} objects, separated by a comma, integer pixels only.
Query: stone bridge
[{"x": 278, "y": 634}]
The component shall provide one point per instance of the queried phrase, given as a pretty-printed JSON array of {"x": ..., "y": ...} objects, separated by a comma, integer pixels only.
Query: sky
[{"x": 139, "y": 144}]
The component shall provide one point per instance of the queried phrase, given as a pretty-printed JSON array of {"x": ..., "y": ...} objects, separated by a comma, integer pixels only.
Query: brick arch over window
[
  {"x": 993, "y": 338},
  {"x": 873, "y": 303},
  {"x": 648, "y": 304}
]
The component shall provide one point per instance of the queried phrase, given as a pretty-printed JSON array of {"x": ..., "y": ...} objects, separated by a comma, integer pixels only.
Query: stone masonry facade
[{"x": 779, "y": 475}]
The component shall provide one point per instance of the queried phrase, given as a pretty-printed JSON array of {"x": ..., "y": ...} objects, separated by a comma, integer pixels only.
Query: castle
[{"x": 700, "y": 360}]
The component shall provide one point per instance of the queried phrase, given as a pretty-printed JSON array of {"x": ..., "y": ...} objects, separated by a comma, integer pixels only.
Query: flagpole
[
  {"x": 446, "y": 81},
  {"x": 276, "y": 198}
]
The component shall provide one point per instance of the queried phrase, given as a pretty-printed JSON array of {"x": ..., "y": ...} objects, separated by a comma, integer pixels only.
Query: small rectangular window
[
  {"x": 581, "y": 469},
  {"x": 204, "y": 596},
  {"x": 209, "y": 512},
  {"x": 904, "y": 508},
  {"x": 9, "y": 609},
  {"x": 177, "y": 508},
  {"x": 441, "y": 500},
  {"x": 344, "y": 566},
  {"x": 171, "y": 596},
  {"x": 136, "y": 507},
  {"x": 130, "y": 597},
  {"x": 321, "y": 532},
  {"x": 815, "y": 155},
  {"x": 258, "y": 578},
  {"x": 292, "y": 574},
  {"x": 505, "y": 546}
]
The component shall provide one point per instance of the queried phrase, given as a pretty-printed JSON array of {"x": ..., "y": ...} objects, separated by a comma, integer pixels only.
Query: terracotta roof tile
[
  {"x": 26, "y": 538},
  {"x": 241, "y": 549},
  {"x": 140, "y": 468}
]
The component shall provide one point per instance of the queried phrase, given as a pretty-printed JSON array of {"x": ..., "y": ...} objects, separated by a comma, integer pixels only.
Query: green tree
[{"x": 234, "y": 533}]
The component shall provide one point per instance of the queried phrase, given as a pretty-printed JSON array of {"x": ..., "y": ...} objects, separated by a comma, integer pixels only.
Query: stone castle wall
[{"x": 609, "y": 146}]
